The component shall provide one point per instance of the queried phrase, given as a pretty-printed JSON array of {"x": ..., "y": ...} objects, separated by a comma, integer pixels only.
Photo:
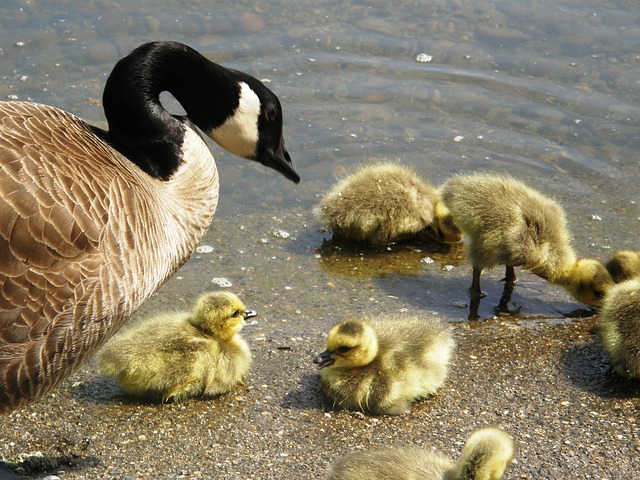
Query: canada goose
[
  {"x": 385, "y": 203},
  {"x": 380, "y": 365},
  {"x": 624, "y": 265},
  {"x": 176, "y": 356},
  {"x": 94, "y": 221},
  {"x": 620, "y": 327},
  {"x": 486, "y": 455},
  {"x": 508, "y": 223}
]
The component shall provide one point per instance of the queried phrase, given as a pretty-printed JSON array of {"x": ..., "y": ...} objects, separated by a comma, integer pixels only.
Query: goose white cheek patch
[{"x": 239, "y": 134}]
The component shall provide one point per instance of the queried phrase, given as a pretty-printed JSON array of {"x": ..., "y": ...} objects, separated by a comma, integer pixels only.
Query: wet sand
[{"x": 545, "y": 379}]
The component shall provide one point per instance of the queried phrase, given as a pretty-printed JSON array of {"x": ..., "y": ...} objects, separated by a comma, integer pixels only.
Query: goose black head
[{"x": 233, "y": 108}]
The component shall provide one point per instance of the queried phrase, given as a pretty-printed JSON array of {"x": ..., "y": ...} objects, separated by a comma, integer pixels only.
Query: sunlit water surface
[{"x": 547, "y": 91}]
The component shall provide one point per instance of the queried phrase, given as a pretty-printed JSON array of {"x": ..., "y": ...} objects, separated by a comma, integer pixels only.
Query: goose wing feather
[{"x": 60, "y": 219}]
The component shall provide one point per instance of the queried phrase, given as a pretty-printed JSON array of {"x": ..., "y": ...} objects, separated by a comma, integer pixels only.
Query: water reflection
[{"x": 345, "y": 259}]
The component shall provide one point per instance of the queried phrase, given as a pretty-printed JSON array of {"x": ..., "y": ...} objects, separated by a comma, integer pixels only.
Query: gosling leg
[
  {"x": 509, "y": 282},
  {"x": 476, "y": 294}
]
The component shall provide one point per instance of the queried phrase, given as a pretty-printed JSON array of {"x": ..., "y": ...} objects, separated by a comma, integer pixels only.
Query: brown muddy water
[{"x": 547, "y": 91}]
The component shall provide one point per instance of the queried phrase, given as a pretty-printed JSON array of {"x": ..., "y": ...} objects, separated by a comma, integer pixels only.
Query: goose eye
[
  {"x": 344, "y": 349},
  {"x": 598, "y": 294},
  {"x": 235, "y": 314},
  {"x": 271, "y": 112}
]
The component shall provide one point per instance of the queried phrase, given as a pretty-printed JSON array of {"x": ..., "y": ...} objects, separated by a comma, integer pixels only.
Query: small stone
[
  {"x": 221, "y": 282},
  {"x": 459, "y": 304},
  {"x": 279, "y": 233},
  {"x": 423, "y": 58},
  {"x": 204, "y": 249}
]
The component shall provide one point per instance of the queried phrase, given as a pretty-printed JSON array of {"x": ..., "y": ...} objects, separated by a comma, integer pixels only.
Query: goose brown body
[
  {"x": 486, "y": 455},
  {"x": 88, "y": 234},
  {"x": 76, "y": 243}
]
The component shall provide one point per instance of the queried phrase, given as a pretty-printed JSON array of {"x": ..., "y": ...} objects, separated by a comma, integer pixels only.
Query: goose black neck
[{"x": 140, "y": 127}]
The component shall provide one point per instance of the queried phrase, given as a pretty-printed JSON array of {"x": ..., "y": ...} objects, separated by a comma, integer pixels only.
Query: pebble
[
  {"x": 221, "y": 282},
  {"x": 279, "y": 233},
  {"x": 459, "y": 304},
  {"x": 423, "y": 58}
]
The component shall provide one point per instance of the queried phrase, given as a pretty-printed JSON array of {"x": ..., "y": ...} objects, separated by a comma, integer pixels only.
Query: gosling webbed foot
[{"x": 502, "y": 310}]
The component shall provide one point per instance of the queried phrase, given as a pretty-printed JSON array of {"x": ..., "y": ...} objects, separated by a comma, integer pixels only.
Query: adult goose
[{"x": 94, "y": 221}]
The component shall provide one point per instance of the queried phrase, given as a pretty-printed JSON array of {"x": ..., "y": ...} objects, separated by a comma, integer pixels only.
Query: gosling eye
[
  {"x": 344, "y": 349},
  {"x": 598, "y": 294},
  {"x": 235, "y": 314}
]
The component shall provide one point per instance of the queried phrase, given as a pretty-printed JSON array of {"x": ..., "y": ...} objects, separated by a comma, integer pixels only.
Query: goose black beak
[
  {"x": 323, "y": 360},
  {"x": 250, "y": 314},
  {"x": 280, "y": 161}
]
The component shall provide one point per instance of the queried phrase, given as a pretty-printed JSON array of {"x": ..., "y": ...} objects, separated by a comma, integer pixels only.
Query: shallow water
[{"x": 547, "y": 91}]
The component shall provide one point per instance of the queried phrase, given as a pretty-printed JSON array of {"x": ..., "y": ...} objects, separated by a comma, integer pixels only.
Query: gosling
[
  {"x": 620, "y": 327},
  {"x": 381, "y": 365},
  {"x": 486, "y": 455},
  {"x": 173, "y": 357},
  {"x": 624, "y": 265},
  {"x": 508, "y": 223},
  {"x": 386, "y": 203}
]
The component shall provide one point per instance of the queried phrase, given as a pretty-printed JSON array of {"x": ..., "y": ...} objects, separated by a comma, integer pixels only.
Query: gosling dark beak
[
  {"x": 250, "y": 314},
  {"x": 323, "y": 360},
  {"x": 280, "y": 161}
]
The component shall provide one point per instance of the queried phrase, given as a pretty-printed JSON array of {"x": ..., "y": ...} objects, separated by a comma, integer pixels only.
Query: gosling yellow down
[
  {"x": 380, "y": 365},
  {"x": 624, "y": 265},
  {"x": 620, "y": 327},
  {"x": 386, "y": 203},
  {"x": 508, "y": 223},
  {"x": 486, "y": 455},
  {"x": 177, "y": 356}
]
